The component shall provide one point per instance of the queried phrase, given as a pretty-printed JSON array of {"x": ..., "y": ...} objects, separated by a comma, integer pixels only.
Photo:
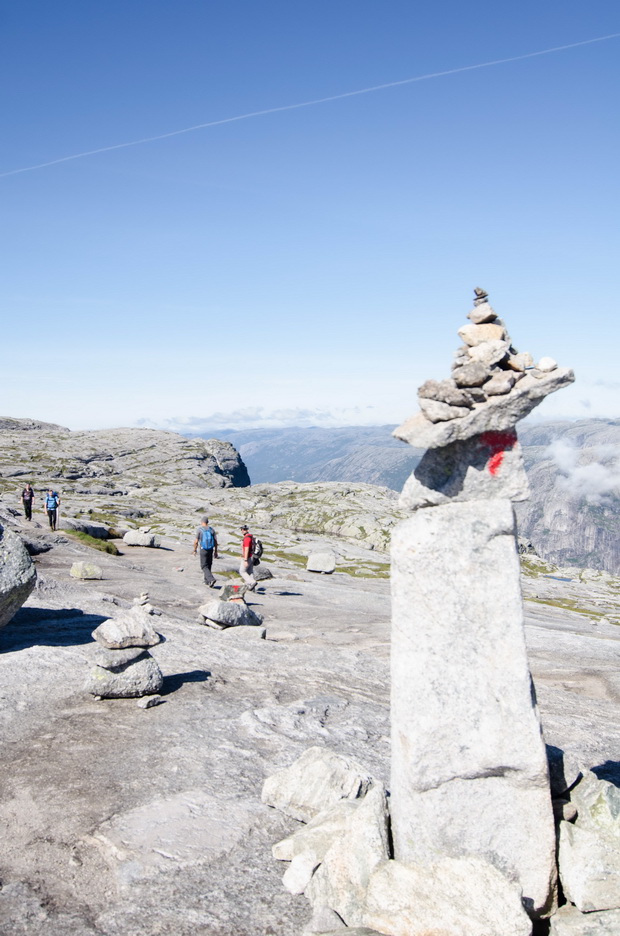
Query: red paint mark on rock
[{"x": 498, "y": 443}]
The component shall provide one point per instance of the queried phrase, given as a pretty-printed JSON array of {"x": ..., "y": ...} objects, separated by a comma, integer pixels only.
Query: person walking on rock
[
  {"x": 52, "y": 501},
  {"x": 27, "y": 500},
  {"x": 246, "y": 569},
  {"x": 207, "y": 540}
]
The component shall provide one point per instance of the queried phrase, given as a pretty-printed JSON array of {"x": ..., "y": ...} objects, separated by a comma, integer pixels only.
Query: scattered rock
[
  {"x": 131, "y": 629},
  {"x": 315, "y": 781},
  {"x": 136, "y": 538},
  {"x": 149, "y": 701},
  {"x": 140, "y": 678},
  {"x": 229, "y": 613},
  {"x": 86, "y": 570},
  {"x": 324, "y": 561}
]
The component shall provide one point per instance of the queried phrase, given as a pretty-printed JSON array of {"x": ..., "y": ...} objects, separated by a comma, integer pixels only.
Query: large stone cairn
[
  {"x": 122, "y": 666},
  {"x": 469, "y": 768}
]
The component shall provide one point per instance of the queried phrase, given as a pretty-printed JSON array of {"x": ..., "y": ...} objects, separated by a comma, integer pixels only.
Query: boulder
[
  {"x": 229, "y": 613},
  {"x": 137, "y": 538},
  {"x": 445, "y": 897},
  {"x": 17, "y": 574},
  {"x": 321, "y": 561},
  {"x": 589, "y": 850},
  {"x": 132, "y": 629},
  {"x": 342, "y": 879},
  {"x": 469, "y": 767},
  {"x": 262, "y": 574},
  {"x": 96, "y": 530},
  {"x": 569, "y": 921},
  {"x": 86, "y": 570},
  {"x": 315, "y": 781},
  {"x": 139, "y": 678}
]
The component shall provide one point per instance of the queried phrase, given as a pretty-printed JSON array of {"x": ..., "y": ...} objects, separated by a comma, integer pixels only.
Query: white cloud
[
  {"x": 259, "y": 417},
  {"x": 593, "y": 481}
]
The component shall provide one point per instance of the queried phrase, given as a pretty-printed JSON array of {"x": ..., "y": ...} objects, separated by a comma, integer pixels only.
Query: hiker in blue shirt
[
  {"x": 207, "y": 540},
  {"x": 52, "y": 501}
]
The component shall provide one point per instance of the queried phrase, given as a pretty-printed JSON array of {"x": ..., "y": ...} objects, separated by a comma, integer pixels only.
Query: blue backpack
[{"x": 207, "y": 538}]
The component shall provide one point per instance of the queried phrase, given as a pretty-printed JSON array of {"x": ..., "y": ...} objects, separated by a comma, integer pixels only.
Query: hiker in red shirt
[{"x": 246, "y": 569}]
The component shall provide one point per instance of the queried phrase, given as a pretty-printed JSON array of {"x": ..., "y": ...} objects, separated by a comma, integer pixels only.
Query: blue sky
[{"x": 312, "y": 266}]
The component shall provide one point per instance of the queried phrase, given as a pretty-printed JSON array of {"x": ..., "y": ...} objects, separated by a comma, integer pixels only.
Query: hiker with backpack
[
  {"x": 27, "y": 500},
  {"x": 251, "y": 551},
  {"x": 207, "y": 540},
  {"x": 52, "y": 502}
]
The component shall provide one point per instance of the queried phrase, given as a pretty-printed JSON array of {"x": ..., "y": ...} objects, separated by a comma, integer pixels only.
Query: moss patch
[{"x": 93, "y": 542}]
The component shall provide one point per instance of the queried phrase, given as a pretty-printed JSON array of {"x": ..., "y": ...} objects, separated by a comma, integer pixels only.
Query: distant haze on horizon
[{"x": 310, "y": 266}]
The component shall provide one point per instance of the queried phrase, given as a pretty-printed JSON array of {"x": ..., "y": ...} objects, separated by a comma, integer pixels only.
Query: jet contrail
[{"x": 323, "y": 100}]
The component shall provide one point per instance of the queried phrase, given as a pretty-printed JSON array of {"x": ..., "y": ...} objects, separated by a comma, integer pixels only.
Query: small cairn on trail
[
  {"x": 229, "y": 610},
  {"x": 122, "y": 667}
]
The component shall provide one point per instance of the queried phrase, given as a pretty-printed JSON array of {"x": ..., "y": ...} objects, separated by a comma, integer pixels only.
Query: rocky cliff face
[
  {"x": 572, "y": 515},
  {"x": 113, "y": 460}
]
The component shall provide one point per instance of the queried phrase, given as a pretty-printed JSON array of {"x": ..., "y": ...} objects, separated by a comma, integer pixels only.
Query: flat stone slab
[{"x": 497, "y": 414}]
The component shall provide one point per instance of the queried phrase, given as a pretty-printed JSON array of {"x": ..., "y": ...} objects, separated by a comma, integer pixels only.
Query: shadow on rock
[
  {"x": 63, "y": 627},
  {"x": 610, "y": 771},
  {"x": 174, "y": 682}
]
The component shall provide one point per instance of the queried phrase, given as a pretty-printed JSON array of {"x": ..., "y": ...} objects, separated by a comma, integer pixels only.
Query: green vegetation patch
[{"x": 93, "y": 542}]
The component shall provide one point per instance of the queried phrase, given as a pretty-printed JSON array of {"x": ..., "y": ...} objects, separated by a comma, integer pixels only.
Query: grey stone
[
  {"x": 598, "y": 805},
  {"x": 490, "y": 353},
  {"x": 229, "y": 613},
  {"x": 471, "y": 375},
  {"x": 17, "y": 574},
  {"x": 86, "y": 570},
  {"x": 148, "y": 702},
  {"x": 261, "y": 573},
  {"x": 136, "y": 538},
  {"x": 446, "y": 391},
  {"x": 569, "y": 921},
  {"x": 500, "y": 383},
  {"x": 133, "y": 628},
  {"x": 321, "y": 561},
  {"x": 484, "y": 467},
  {"x": 482, "y": 314},
  {"x": 435, "y": 411},
  {"x": 469, "y": 768},
  {"x": 140, "y": 678},
  {"x": 342, "y": 879},
  {"x": 446, "y": 897},
  {"x": 316, "y": 780},
  {"x": 114, "y": 659},
  {"x": 497, "y": 415},
  {"x": 245, "y": 633},
  {"x": 589, "y": 866},
  {"x": 318, "y": 835},
  {"x": 474, "y": 335}
]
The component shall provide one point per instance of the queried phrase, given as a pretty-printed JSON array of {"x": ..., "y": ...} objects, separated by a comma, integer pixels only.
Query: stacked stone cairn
[
  {"x": 122, "y": 667},
  {"x": 472, "y": 850},
  {"x": 229, "y": 610}
]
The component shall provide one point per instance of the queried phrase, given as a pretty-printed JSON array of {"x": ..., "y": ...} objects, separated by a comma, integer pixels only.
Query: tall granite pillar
[{"x": 469, "y": 770}]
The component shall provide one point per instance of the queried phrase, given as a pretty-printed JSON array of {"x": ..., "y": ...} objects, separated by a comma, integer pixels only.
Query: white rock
[
  {"x": 86, "y": 570},
  {"x": 469, "y": 768},
  {"x": 323, "y": 561},
  {"x": 568, "y": 921},
  {"x": 136, "y": 538},
  {"x": 547, "y": 364},
  {"x": 315, "y": 781},
  {"x": 132, "y": 629},
  {"x": 318, "y": 835},
  {"x": 449, "y": 897},
  {"x": 589, "y": 868},
  {"x": 342, "y": 879}
]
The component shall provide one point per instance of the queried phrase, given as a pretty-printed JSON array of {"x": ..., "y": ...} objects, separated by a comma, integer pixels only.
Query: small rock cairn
[{"x": 122, "y": 666}]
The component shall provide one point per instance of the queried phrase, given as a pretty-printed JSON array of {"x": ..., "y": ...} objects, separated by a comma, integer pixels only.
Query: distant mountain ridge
[{"x": 572, "y": 516}]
